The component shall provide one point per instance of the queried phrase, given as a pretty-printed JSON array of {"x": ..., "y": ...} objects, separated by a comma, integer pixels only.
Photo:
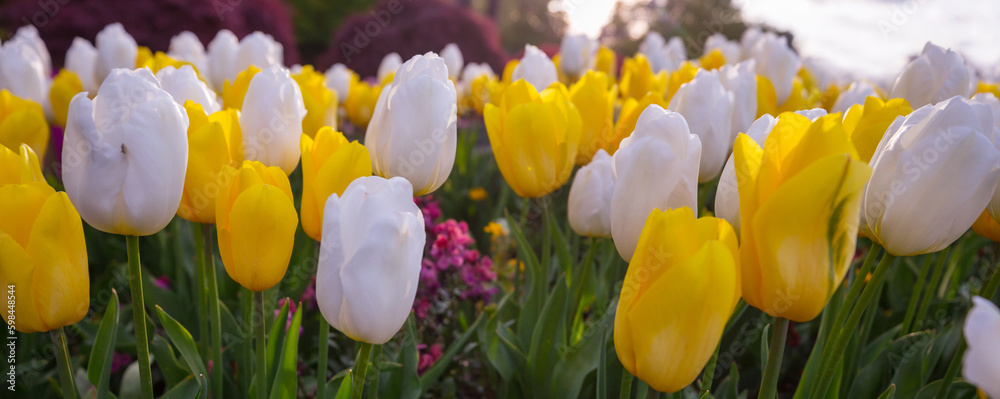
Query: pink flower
[{"x": 163, "y": 282}]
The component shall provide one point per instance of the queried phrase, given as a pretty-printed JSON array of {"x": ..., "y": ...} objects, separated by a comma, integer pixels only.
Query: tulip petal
[
  {"x": 262, "y": 223},
  {"x": 57, "y": 245}
]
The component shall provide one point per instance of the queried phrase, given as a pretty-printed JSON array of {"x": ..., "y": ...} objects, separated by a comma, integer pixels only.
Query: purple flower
[
  {"x": 120, "y": 361},
  {"x": 163, "y": 282}
]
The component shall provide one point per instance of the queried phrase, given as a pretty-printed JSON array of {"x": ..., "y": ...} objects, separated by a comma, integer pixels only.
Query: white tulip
[
  {"x": 749, "y": 40},
  {"x": 186, "y": 46},
  {"x": 338, "y": 79},
  {"x": 813, "y": 113},
  {"x": 730, "y": 50},
  {"x": 576, "y": 54},
  {"x": 708, "y": 109},
  {"x": 81, "y": 59},
  {"x": 856, "y": 93},
  {"x": 933, "y": 173},
  {"x": 453, "y": 59},
  {"x": 741, "y": 80},
  {"x": 980, "y": 365},
  {"x": 271, "y": 119},
  {"x": 655, "y": 167},
  {"x": 727, "y": 194},
  {"x": 369, "y": 260},
  {"x": 260, "y": 50},
  {"x": 675, "y": 53},
  {"x": 536, "y": 68},
  {"x": 115, "y": 49},
  {"x": 413, "y": 132},
  {"x": 22, "y": 71},
  {"x": 589, "y": 205},
  {"x": 652, "y": 48},
  {"x": 183, "y": 84},
  {"x": 993, "y": 103},
  {"x": 30, "y": 34},
  {"x": 221, "y": 55},
  {"x": 937, "y": 74},
  {"x": 390, "y": 63},
  {"x": 125, "y": 154},
  {"x": 777, "y": 62},
  {"x": 470, "y": 73}
]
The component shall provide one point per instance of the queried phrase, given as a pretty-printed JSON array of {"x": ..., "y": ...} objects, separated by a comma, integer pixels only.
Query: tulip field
[{"x": 211, "y": 222}]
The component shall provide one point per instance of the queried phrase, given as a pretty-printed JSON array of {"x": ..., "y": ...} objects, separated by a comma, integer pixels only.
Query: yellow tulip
[
  {"x": 329, "y": 164},
  {"x": 320, "y": 101},
  {"x": 482, "y": 91},
  {"x": 43, "y": 255},
  {"x": 866, "y": 124},
  {"x": 680, "y": 289},
  {"x": 638, "y": 78},
  {"x": 767, "y": 99},
  {"x": 64, "y": 86},
  {"x": 534, "y": 137},
  {"x": 987, "y": 227},
  {"x": 800, "y": 198},
  {"x": 360, "y": 102},
  {"x": 596, "y": 104},
  {"x": 984, "y": 87},
  {"x": 606, "y": 62},
  {"x": 713, "y": 60},
  {"x": 158, "y": 60},
  {"x": 681, "y": 76},
  {"x": 508, "y": 70},
  {"x": 628, "y": 115},
  {"x": 213, "y": 142},
  {"x": 256, "y": 220},
  {"x": 22, "y": 121},
  {"x": 829, "y": 97},
  {"x": 234, "y": 92}
]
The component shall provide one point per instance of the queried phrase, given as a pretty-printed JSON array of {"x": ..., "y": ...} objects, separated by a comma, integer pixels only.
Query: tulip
[
  {"x": 729, "y": 50},
  {"x": 594, "y": 98},
  {"x": 708, "y": 108},
  {"x": 22, "y": 71},
  {"x": 157, "y": 61},
  {"x": 936, "y": 75},
  {"x": 255, "y": 220},
  {"x": 856, "y": 93},
  {"x": 29, "y": 33},
  {"x": 329, "y": 164},
  {"x": 680, "y": 289},
  {"x": 214, "y": 141},
  {"x": 638, "y": 78},
  {"x": 470, "y": 74},
  {"x": 777, "y": 62},
  {"x": 369, "y": 260},
  {"x": 749, "y": 39},
  {"x": 124, "y": 157},
  {"x": 629, "y": 113},
  {"x": 606, "y": 62},
  {"x": 987, "y": 227},
  {"x": 655, "y": 168},
  {"x": 233, "y": 93},
  {"x": 115, "y": 49},
  {"x": 390, "y": 63},
  {"x": 186, "y": 46},
  {"x": 22, "y": 121},
  {"x": 43, "y": 256},
  {"x": 741, "y": 80},
  {"x": 413, "y": 130},
  {"x": 727, "y": 194},
  {"x": 221, "y": 56},
  {"x": 576, "y": 54},
  {"x": 184, "y": 85},
  {"x": 271, "y": 119},
  {"x": 589, "y": 206},
  {"x": 941, "y": 163},
  {"x": 651, "y": 49},
  {"x": 536, "y": 68},
  {"x": 339, "y": 79},
  {"x": 320, "y": 101},
  {"x": 484, "y": 90},
  {"x": 453, "y": 60},
  {"x": 534, "y": 137},
  {"x": 64, "y": 86},
  {"x": 866, "y": 124},
  {"x": 260, "y": 50},
  {"x": 81, "y": 59},
  {"x": 980, "y": 365},
  {"x": 799, "y": 201}
]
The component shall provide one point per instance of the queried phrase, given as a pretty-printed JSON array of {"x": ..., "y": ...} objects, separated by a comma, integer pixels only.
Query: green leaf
[
  {"x": 181, "y": 339},
  {"x": 764, "y": 350},
  {"x": 578, "y": 360},
  {"x": 562, "y": 246},
  {"x": 404, "y": 382},
  {"x": 344, "y": 392},
  {"x": 889, "y": 393},
  {"x": 489, "y": 340},
  {"x": 286, "y": 378},
  {"x": 274, "y": 352},
  {"x": 433, "y": 374},
  {"x": 548, "y": 340},
  {"x": 166, "y": 361},
  {"x": 534, "y": 287},
  {"x": 101, "y": 354},
  {"x": 186, "y": 389}
]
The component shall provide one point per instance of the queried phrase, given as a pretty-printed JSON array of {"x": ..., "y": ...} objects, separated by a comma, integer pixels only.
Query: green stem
[
  {"x": 956, "y": 362},
  {"x": 626, "y": 390},
  {"x": 709, "y": 373},
  {"x": 918, "y": 286},
  {"x": 139, "y": 317},
  {"x": 992, "y": 285},
  {"x": 214, "y": 312},
  {"x": 376, "y": 354},
  {"x": 246, "y": 307},
  {"x": 844, "y": 336},
  {"x": 769, "y": 382},
  {"x": 258, "y": 298},
  {"x": 324, "y": 349},
  {"x": 360, "y": 369},
  {"x": 930, "y": 289},
  {"x": 199, "y": 249},
  {"x": 62, "y": 362}
]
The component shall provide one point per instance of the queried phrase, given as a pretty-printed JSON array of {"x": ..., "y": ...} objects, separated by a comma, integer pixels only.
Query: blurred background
[{"x": 849, "y": 38}]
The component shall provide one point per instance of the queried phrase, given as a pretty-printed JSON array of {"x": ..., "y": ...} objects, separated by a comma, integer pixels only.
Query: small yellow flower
[
  {"x": 234, "y": 92},
  {"x": 22, "y": 121},
  {"x": 496, "y": 230},
  {"x": 478, "y": 194},
  {"x": 64, "y": 86}
]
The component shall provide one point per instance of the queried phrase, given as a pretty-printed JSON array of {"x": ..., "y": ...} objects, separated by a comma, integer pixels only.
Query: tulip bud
[
  {"x": 255, "y": 221},
  {"x": 260, "y": 50},
  {"x": 866, "y": 124},
  {"x": 741, "y": 80},
  {"x": 936, "y": 75},
  {"x": 361, "y": 101},
  {"x": 799, "y": 200},
  {"x": 453, "y": 60},
  {"x": 81, "y": 59},
  {"x": 589, "y": 205},
  {"x": 271, "y": 119},
  {"x": 115, "y": 49},
  {"x": 329, "y": 164},
  {"x": 777, "y": 62},
  {"x": 470, "y": 74},
  {"x": 43, "y": 254},
  {"x": 594, "y": 98},
  {"x": 576, "y": 54},
  {"x": 680, "y": 289},
  {"x": 213, "y": 141},
  {"x": 413, "y": 131},
  {"x": 125, "y": 154},
  {"x": 727, "y": 194},
  {"x": 319, "y": 100},
  {"x": 980, "y": 363},
  {"x": 369, "y": 260},
  {"x": 606, "y": 62},
  {"x": 655, "y": 168},
  {"x": 941, "y": 163},
  {"x": 184, "y": 85},
  {"x": 221, "y": 60},
  {"x": 708, "y": 108},
  {"x": 186, "y": 46},
  {"x": 22, "y": 122},
  {"x": 22, "y": 71},
  {"x": 390, "y": 63},
  {"x": 536, "y": 68},
  {"x": 339, "y": 79},
  {"x": 856, "y": 93},
  {"x": 534, "y": 137}
]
